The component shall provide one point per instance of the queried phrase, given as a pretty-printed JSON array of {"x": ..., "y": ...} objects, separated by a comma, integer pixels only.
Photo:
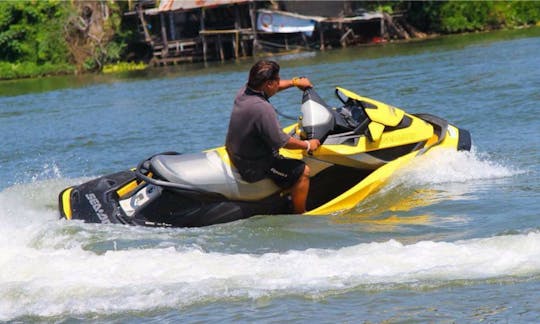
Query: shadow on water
[{"x": 439, "y": 44}]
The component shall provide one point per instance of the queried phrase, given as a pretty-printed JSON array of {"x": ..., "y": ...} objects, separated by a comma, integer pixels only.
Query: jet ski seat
[{"x": 207, "y": 171}]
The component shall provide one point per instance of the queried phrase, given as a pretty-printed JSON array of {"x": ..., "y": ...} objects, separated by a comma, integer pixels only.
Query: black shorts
[{"x": 285, "y": 172}]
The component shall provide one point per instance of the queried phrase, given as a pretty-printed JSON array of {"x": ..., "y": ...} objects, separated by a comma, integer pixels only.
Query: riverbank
[
  {"x": 29, "y": 70},
  {"x": 18, "y": 87},
  {"x": 59, "y": 37}
]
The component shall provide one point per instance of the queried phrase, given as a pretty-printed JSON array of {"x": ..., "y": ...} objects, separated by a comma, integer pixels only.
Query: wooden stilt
[
  {"x": 147, "y": 37},
  {"x": 172, "y": 30},
  {"x": 253, "y": 16},
  {"x": 205, "y": 45},
  {"x": 220, "y": 47},
  {"x": 165, "y": 50},
  {"x": 235, "y": 42},
  {"x": 237, "y": 26},
  {"x": 306, "y": 43},
  {"x": 321, "y": 37}
]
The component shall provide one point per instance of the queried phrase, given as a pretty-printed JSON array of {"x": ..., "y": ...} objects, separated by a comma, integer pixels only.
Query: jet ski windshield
[
  {"x": 317, "y": 116},
  {"x": 320, "y": 120}
]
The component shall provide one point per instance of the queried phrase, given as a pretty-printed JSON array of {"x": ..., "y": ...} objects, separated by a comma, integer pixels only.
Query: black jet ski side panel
[
  {"x": 98, "y": 201},
  {"x": 95, "y": 200}
]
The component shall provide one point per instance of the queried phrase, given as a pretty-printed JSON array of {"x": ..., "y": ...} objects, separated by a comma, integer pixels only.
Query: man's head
[{"x": 264, "y": 76}]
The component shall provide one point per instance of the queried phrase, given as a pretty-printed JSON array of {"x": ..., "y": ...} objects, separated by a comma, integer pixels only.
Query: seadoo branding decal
[{"x": 96, "y": 205}]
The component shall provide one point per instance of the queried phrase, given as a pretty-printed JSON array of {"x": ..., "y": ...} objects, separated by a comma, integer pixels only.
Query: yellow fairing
[
  {"x": 377, "y": 179},
  {"x": 376, "y": 130},
  {"x": 451, "y": 139},
  {"x": 383, "y": 114},
  {"x": 418, "y": 131},
  {"x": 356, "y": 194},
  {"x": 66, "y": 203},
  {"x": 222, "y": 154},
  {"x": 130, "y": 186},
  {"x": 127, "y": 188}
]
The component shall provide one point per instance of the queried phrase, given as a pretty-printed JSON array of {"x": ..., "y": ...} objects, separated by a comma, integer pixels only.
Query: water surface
[{"x": 455, "y": 236}]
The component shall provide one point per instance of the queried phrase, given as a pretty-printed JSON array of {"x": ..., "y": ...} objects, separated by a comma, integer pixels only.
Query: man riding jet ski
[{"x": 362, "y": 143}]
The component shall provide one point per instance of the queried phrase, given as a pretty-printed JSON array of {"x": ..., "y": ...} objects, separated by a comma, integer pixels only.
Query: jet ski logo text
[{"x": 96, "y": 205}]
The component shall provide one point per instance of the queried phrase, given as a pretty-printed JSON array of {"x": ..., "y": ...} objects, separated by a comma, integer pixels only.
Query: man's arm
[
  {"x": 309, "y": 145},
  {"x": 301, "y": 83}
]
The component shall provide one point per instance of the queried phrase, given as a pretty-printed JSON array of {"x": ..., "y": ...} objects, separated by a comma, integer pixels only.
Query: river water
[{"x": 454, "y": 237}]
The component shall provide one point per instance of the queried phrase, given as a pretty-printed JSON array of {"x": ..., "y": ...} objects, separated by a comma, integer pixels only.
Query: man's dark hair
[{"x": 261, "y": 72}]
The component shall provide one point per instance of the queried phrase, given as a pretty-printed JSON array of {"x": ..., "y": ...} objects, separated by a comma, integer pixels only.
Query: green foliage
[
  {"x": 114, "y": 50},
  {"x": 466, "y": 16},
  {"x": 387, "y": 8},
  {"x": 35, "y": 37},
  {"x": 424, "y": 14},
  {"x": 29, "y": 69},
  {"x": 123, "y": 67},
  {"x": 94, "y": 34},
  {"x": 31, "y": 39},
  {"x": 459, "y": 16},
  {"x": 30, "y": 31}
]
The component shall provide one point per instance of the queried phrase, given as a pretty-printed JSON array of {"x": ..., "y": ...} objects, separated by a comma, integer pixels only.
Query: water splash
[{"x": 447, "y": 166}]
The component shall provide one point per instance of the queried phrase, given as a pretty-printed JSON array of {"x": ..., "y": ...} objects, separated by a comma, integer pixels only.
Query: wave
[
  {"x": 439, "y": 176},
  {"x": 49, "y": 270},
  {"x": 51, "y": 282}
]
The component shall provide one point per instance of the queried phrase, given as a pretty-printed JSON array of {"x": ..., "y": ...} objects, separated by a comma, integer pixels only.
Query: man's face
[{"x": 271, "y": 87}]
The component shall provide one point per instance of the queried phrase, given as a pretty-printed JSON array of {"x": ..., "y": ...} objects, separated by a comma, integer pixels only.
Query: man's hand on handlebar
[
  {"x": 302, "y": 83},
  {"x": 313, "y": 145}
]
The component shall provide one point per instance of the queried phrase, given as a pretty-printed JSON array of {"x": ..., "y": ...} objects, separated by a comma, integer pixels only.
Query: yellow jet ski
[{"x": 363, "y": 143}]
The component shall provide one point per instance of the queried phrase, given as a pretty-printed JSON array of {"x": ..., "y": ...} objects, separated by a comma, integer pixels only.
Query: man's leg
[
  {"x": 300, "y": 191},
  {"x": 292, "y": 174}
]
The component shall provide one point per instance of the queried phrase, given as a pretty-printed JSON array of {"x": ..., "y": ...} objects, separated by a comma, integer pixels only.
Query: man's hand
[
  {"x": 302, "y": 83},
  {"x": 313, "y": 145}
]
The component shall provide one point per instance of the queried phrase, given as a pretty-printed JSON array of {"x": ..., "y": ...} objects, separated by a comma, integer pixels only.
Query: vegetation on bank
[
  {"x": 30, "y": 41},
  {"x": 124, "y": 66},
  {"x": 56, "y": 37},
  {"x": 448, "y": 17},
  {"x": 59, "y": 37}
]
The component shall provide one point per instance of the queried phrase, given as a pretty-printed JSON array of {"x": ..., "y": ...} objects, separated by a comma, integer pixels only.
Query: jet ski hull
[
  {"x": 98, "y": 201},
  {"x": 363, "y": 144}
]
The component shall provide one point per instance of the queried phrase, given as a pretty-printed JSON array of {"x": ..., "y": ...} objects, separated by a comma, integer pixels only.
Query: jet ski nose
[{"x": 464, "y": 141}]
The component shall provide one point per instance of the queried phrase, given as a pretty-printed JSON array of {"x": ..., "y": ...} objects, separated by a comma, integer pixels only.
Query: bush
[
  {"x": 31, "y": 32},
  {"x": 467, "y": 16},
  {"x": 460, "y": 16},
  {"x": 29, "y": 70},
  {"x": 43, "y": 37}
]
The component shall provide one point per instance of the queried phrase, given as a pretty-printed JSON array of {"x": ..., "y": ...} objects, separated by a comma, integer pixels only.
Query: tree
[
  {"x": 29, "y": 32},
  {"x": 92, "y": 33}
]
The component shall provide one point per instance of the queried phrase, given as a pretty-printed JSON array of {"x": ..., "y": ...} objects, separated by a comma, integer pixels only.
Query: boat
[{"x": 363, "y": 142}]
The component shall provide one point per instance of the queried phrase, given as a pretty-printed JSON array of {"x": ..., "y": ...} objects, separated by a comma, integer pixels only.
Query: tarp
[
  {"x": 363, "y": 17},
  {"x": 285, "y": 22},
  {"x": 173, "y": 5}
]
